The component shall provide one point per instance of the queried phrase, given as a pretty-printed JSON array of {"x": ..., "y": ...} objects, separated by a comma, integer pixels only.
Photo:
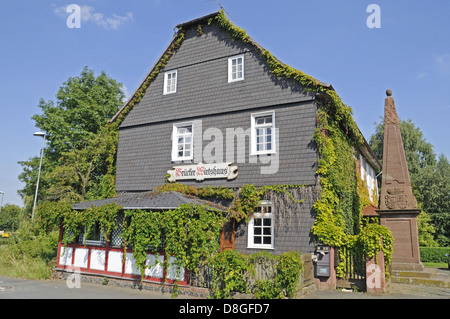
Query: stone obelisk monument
[{"x": 398, "y": 206}]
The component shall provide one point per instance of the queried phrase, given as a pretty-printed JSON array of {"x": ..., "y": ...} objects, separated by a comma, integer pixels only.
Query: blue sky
[{"x": 327, "y": 39}]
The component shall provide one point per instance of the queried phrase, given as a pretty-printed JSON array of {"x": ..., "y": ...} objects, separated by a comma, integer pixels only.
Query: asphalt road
[{"x": 13, "y": 288}]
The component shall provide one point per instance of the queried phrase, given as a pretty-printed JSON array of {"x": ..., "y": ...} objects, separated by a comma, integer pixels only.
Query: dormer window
[
  {"x": 236, "y": 68},
  {"x": 170, "y": 82}
]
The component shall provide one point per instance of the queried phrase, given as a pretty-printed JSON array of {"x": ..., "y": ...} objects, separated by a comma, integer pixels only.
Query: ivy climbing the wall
[
  {"x": 189, "y": 233},
  {"x": 234, "y": 272}
]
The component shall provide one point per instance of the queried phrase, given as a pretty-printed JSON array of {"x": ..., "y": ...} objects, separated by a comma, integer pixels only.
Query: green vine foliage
[
  {"x": 229, "y": 271},
  {"x": 234, "y": 272},
  {"x": 76, "y": 221},
  {"x": 288, "y": 268},
  {"x": 374, "y": 238},
  {"x": 143, "y": 232},
  {"x": 344, "y": 195},
  {"x": 190, "y": 233}
]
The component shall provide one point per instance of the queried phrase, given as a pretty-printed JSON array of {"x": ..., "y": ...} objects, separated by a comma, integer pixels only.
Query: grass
[
  {"x": 22, "y": 266},
  {"x": 28, "y": 257},
  {"x": 436, "y": 265}
]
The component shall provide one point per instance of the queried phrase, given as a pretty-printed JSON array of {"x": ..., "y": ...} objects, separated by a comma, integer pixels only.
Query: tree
[
  {"x": 434, "y": 190},
  {"x": 10, "y": 217},
  {"x": 426, "y": 230},
  {"x": 79, "y": 142},
  {"x": 429, "y": 177},
  {"x": 84, "y": 104}
]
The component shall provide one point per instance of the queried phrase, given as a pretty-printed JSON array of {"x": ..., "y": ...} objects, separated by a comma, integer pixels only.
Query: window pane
[
  {"x": 267, "y": 231},
  {"x": 94, "y": 233},
  {"x": 257, "y": 231},
  {"x": 257, "y": 240},
  {"x": 257, "y": 222},
  {"x": 267, "y": 240},
  {"x": 187, "y": 153},
  {"x": 264, "y": 120},
  {"x": 267, "y": 221}
]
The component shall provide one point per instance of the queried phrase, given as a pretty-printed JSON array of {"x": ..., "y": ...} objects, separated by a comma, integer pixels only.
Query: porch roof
[{"x": 152, "y": 200}]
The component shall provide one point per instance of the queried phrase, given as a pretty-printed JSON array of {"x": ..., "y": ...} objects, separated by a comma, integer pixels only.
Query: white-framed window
[
  {"x": 369, "y": 176},
  {"x": 170, "y": 81},
  {"x": 263, "y": 133},
  {"x": 236, "y": 68},
  {"x": 182, "y": 142},
  {"x": 94, "y": 237},
  {"x": 261, "y": 227}
]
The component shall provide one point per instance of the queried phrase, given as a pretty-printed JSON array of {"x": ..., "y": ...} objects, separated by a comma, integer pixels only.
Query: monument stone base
[{"x": 403, "y": 225}]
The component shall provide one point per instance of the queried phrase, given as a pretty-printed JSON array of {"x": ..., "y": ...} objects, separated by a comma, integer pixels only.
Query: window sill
[
  {"x": 94, "y": 243},
  {"x": 263, "y": 153},
  {"x": 260, "y": 247},
  {"x": 181, "y": 160},
  {"x": 233, "y": 81}
]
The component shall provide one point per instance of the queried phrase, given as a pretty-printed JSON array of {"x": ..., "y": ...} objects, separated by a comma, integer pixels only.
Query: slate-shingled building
[{"x": 216, "y": 108}]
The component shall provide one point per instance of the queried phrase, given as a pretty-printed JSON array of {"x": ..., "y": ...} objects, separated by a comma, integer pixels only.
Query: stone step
[
  {"x": 421, "y": 281},
  {"x": 407, "y": 266},
  {"x": 414, "y": 274},
  {"x": 427, "y": 276}
]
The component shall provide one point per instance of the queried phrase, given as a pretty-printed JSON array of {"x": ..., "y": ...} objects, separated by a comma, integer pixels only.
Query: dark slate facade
[
  {"x": 205, "y": 97},
  {"x": 203, "y": 93}
]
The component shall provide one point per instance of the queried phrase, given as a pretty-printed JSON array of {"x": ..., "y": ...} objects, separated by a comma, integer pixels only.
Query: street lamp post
[
  {"x": 39, "y": 172},
  {"x": 1, "y": 203}
]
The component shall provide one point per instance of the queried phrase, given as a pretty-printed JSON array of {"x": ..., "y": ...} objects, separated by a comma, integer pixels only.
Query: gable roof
[{"x": 220, "y": 19}]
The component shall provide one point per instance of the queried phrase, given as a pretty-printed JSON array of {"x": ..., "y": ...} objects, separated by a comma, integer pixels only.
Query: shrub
[{"x": 434, "y": 254}]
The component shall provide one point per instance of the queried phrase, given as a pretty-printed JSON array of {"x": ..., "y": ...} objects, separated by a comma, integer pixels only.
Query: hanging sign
[{"x": 202, "y": 171}]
